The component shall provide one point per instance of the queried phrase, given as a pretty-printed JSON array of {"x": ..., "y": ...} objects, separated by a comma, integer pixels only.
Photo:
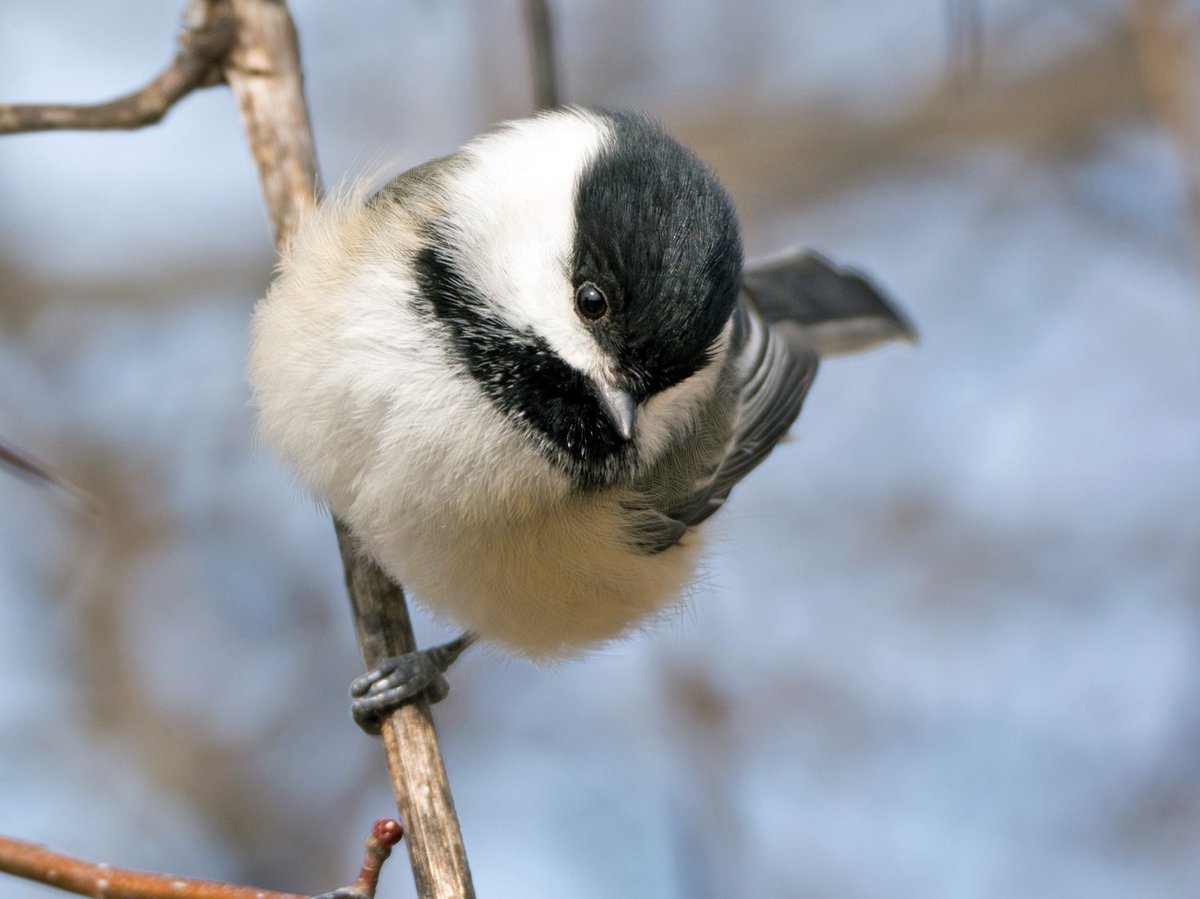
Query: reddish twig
[
  {"x": 384, "y": 835},
  {"x": 91, "y": 879},
  {"x": 205, "y": 40},
  {"x": 103, "y": 881}
]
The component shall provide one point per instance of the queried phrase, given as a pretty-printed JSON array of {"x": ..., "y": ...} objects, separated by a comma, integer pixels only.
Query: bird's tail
[{"x": 833, "y": 310}]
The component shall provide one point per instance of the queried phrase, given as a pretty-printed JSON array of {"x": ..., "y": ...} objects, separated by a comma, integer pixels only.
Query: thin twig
[
  {"x": 201, "y": 46},
  {"x": 539, "y": 27},
  {"x": 25, "y": 466},
  {"x": 384, "y": 835},
  {"x": 72, "y": 875},
  {"x": 263, "y": 69}
]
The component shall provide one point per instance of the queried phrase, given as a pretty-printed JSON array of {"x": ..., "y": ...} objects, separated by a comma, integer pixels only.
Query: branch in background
[
  {"x": 207, "y": 35},
  {"x": 964, "y": 43},
  {"x": 1167, "y": 40},
  {"x": 539, "y": 27},
  {"x": 43, "y": 475},
  {"x": 263, "y": 69},
  {"x": 91, "y": 879}
]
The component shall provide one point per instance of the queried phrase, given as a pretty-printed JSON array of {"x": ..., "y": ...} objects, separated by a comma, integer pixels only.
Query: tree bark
[
  {"x": 252, "y": 45},
  {"x": 263, "y": 69}
]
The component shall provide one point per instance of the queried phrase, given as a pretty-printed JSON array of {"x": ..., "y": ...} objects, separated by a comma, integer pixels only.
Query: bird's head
[{"x": 585, "y": 265}]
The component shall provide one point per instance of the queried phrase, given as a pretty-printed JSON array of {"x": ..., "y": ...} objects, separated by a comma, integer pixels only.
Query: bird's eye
[{"x": 590, "y": 302}]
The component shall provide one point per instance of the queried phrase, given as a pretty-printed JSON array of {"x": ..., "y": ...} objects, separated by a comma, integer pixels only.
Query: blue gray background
[{"x": 948, "y": 640}]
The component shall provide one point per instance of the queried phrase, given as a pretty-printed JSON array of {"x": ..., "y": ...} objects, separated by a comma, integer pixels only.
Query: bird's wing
[
  {"x": 773, "y": 378},
  {"x": 837, "y": 309},
  {"x": 793, "y": 311}
]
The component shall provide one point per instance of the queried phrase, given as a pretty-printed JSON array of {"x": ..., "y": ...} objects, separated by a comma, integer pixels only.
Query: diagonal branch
[
  {"x": 252, "y": 45},
  {"x": 263, "y": 69},
  {"x": 201, "y": 46},
  {"x": 25, "y": 466},
  {"x": 414, "y": 756}
]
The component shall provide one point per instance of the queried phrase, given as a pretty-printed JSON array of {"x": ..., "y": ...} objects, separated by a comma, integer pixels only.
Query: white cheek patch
[{"x": 514, "y": 221}]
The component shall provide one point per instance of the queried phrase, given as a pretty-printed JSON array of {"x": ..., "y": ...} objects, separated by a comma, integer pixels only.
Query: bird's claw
[{"x": 400, "y": 680}]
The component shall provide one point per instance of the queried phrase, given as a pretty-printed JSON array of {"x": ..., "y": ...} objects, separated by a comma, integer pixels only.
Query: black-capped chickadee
[{"x": 525, "y": 374}]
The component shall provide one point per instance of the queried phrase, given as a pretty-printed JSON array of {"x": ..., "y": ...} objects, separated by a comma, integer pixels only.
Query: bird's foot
[{"x": 401, "y": 679}]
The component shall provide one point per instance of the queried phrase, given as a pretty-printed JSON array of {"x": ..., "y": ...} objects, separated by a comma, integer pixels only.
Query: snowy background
[{"x": 948, "y": 644}]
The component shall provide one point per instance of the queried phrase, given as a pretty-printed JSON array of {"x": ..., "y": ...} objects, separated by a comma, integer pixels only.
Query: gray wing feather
[
  {"x": 774, "y": 376},
  {"x": 838, "y": 309},
  {"x": 793, "y": 311}
]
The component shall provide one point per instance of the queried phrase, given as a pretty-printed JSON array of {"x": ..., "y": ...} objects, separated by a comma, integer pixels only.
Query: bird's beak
[{"x": 619, "y": 407}]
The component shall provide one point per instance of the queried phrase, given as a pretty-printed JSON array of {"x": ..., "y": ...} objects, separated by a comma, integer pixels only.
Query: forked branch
[
  {"x": 206, "y": 38},
  {"x": 252, "y": 45},
  {"x": 264, "y": 72}
]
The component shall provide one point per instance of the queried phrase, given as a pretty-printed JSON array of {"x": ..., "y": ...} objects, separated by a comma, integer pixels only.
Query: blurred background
[{"x": 948, "y": 641}]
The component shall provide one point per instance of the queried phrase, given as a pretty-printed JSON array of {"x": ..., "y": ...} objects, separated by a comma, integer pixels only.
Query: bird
[{"x": 525, "y": 375}]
